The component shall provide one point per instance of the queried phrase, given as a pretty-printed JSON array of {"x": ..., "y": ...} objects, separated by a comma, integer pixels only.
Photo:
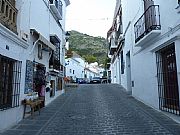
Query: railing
[
  {"x": 55, "y": 63},
  {"x": 109, "y": 45},
  {"x": 55, "y": 59},
  {"x": 118, "y": 32},
  {"x": 112, "y": 43},
  {"x": 8, "y": 15},
  {"x": 13, "y": 2},
  {"x": 58, "y": 5},
  {"x": 149, "y": 21}
]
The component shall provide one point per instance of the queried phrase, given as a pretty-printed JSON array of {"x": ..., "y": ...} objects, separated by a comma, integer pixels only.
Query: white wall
[
  {"x": 143, "y": 60},
  {"x": 116, "y": 75},
  {"x": 49, "y": 99},
  {"x": 33, "y": 14},
  {"x": 177, "y": 48},
  {"x": 41, "y": 18},
  {"x": 17, "y": 49},
  {"x": 90, "y": 74},
  {"x": 76, "y": 64}
]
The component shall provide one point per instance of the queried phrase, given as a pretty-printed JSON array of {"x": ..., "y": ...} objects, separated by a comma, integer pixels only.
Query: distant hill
[{"x": 89, "y": 47}]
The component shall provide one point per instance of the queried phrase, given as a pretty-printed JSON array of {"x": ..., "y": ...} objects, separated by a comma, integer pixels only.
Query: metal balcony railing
[
  {"x": 118, "y": 32},
  {"x": 149, "y": 21},
  {"x": 8, "y": 15},
  {"x": 54, "y": 63},
  {"x": 112, "y": 46},
  {"x": 58, "y": 6}
]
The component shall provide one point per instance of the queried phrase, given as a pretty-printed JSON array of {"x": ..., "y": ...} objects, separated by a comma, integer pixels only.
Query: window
[
  {"x": 70, "y": 70},
  {"x": 73, "y": 71},
  {"x": 10, "y": 76}
]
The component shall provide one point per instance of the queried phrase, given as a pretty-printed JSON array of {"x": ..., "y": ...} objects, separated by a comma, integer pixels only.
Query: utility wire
[{"x": 92, "y": 19}]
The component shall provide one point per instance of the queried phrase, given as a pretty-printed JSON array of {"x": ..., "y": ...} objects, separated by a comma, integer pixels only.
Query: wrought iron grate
[
  {"x": 10, "y": 77},
  {"x": 167, "y": 80}
]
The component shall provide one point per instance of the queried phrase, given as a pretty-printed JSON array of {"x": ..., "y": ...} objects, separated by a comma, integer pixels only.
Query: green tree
[
  {"x": 107, "y": 63},
  {"x": 90, "y": 58}
]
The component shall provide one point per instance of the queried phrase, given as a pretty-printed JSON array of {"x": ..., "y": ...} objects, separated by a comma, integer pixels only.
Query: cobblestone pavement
[{"x": 96, "y": 110}]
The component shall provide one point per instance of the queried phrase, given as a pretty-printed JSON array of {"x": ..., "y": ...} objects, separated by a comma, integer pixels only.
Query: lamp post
[{"x": 67, "y": 36}]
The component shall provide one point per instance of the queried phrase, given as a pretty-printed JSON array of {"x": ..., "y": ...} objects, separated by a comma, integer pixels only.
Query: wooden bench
[{"x": 35, "y": 104}]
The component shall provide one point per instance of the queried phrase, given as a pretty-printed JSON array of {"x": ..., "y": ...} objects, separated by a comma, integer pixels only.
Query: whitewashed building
[
  {"x": 92, "y": 70},
  {"x": 32, "y": 35},
  {"x": 145, "y": 54},
  {"x": 89, "y": 74},
  {"x": 75, "y": 66}
]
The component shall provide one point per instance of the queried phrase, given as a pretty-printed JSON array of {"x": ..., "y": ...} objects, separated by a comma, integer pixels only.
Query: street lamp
[{"x": 67, "y": 36}]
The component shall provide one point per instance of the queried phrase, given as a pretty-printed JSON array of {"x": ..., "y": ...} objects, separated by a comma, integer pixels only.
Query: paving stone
[{"x": 104, "y": 109}]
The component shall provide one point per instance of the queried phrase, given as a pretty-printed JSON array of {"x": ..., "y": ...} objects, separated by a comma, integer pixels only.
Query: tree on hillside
[{"x": 90, "y": 58}]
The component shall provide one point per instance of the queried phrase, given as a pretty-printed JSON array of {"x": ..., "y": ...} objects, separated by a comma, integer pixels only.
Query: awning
[{"x": 44, "y": 40}]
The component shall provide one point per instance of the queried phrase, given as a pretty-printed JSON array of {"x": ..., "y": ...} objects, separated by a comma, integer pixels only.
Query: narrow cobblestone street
[{"x": 96, "y": 110}]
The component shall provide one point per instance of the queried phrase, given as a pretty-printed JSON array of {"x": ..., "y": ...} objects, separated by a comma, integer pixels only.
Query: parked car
[
  {"x": 96, "y": 80},
  {"x": 104, "y": 80},
  {"x": 80, "y": 80}
]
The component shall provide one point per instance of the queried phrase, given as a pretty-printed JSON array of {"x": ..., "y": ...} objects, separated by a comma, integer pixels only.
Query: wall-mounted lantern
[{"x": 67, "y": 36}]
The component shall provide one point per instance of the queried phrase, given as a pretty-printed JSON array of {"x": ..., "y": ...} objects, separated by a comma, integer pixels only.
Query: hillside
[{"x": 89, "y": 47}]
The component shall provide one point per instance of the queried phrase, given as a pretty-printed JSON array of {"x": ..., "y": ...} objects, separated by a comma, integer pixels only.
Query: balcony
[
  {"x": 56, "y": 7},
  {"x": 112, "y": 46},
  {"x": 54, "y": 62},
  {"x": 119, "y": 31},
  {"x": 8, "y": 15},
  {"x": 148, "y": 26}
]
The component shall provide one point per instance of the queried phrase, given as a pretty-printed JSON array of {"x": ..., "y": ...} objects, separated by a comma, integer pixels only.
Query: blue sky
[{"x": 93, "y": 17}]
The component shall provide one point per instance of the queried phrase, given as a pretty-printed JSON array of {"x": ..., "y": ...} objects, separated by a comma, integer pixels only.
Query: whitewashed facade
[
  {"x": 90, "y": 74},
  {"x": 92, "y": 70},
  {"x": 75, "y": 67},
  {"x": 146, "y": 58},
  {"x": 32, "y": 44}
]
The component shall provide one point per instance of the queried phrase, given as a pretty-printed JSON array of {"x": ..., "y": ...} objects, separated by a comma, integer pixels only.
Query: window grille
[
  {"x": 167, "y": 80},
  {"x": 10, "y": 77}
]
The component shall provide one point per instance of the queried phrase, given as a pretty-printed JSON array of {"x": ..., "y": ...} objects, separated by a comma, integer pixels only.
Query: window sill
[{"x": 178, "y": 9}]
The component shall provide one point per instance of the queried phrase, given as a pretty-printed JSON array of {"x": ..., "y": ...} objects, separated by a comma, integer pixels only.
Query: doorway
[
  {"x": 128, "y": 72},
  {"x": 167, "y": 79},
  {"x": 52, "y": 89}
]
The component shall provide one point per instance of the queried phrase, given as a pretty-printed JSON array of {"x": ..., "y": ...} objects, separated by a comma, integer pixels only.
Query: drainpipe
[
  {"x": 119, "y": 70},
  {"x": 34, "y": 45}
]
